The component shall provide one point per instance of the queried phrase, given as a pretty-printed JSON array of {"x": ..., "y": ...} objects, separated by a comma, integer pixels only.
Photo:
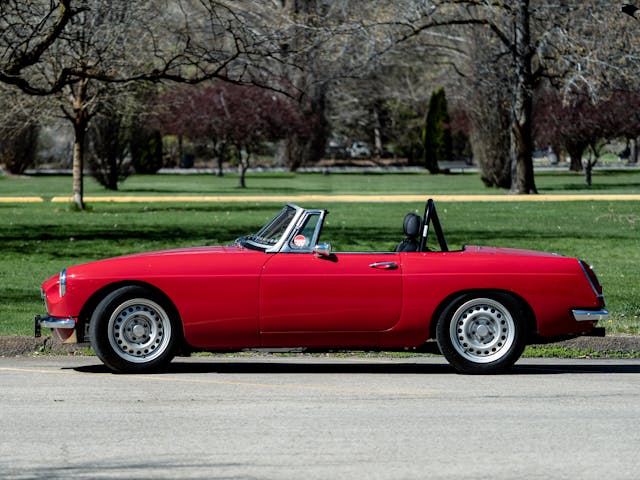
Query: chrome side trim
[{"x": 590, "y": 315}]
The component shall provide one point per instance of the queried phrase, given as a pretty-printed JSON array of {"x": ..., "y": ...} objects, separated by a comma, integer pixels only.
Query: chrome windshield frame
[
  {"x": 298, "y": 226},
  {"x": 287, "y": 233},
  {"x": 295, "y": 225}
]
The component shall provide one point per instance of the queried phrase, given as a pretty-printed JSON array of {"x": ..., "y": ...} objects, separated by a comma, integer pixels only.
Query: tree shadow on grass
[{"x": 595, "y": 187}]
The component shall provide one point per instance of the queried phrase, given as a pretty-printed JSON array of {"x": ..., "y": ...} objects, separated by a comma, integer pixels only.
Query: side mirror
[{"x": 322, "y": 250}]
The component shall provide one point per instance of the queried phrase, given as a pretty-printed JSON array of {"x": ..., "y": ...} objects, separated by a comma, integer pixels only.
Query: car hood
[
  {"x": 192, "y": 260},
  {"x": 188, "y": 251}
]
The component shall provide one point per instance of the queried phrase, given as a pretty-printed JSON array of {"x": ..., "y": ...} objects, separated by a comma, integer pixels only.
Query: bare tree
[
  {"x": 28, "y": 30},
  {"x": 70, "y": 48},
  {"x": 510, "y": 23},
  {"x": 109, "y": 141}
]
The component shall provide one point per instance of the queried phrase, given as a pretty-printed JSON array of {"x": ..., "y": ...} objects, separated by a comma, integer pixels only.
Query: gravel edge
[{"x": 12, "y": 346}]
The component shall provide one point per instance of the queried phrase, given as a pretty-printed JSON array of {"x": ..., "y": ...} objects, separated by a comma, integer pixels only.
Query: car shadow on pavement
[
  {"x": 288, "y": 368},
  {"x": 619, "y": 368},
  {"x": 362, "y": 367}
]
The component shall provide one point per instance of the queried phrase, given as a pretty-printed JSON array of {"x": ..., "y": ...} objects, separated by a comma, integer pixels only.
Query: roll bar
[{"x": 431, "y": 217}]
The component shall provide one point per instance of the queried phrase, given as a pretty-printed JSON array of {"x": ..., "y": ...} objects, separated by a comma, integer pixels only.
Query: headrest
[{"x": 411, "y": 226}]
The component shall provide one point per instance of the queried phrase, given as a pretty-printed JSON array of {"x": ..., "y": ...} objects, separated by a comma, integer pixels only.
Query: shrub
[
  {"x": 108, "y": 150},
  {"x": 18, "y": 147},
  {"x": 146, "y": 150}
]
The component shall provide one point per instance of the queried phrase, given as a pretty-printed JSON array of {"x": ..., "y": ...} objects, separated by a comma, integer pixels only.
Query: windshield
[{"x": 272, "y": 232}]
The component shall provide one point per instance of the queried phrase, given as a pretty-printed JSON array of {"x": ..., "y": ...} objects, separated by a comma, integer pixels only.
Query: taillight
[{"x": 593, "y": 278}]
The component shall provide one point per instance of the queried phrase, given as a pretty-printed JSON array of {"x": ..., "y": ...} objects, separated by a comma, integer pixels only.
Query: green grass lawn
[
  {"x": 422, "y": 183},
  {"x": 38, "y": 240}
]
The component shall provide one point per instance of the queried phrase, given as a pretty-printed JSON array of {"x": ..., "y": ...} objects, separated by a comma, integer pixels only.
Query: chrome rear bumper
[
  {"x": 590, "y": 315},
  {"x": 51, "y": 322}
]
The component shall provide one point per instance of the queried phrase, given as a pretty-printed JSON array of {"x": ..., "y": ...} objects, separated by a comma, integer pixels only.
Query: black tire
[
  {"x": 135, "y": 330},
  {"x": 482, "y": 333}
]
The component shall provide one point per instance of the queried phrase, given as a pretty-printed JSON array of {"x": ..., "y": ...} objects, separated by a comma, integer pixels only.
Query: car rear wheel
[
  {"x": 482, "y": 334},
  {"x": 134, "y": 330}
]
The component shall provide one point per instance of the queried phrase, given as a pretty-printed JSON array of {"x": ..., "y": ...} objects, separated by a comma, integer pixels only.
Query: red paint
[{"x": 231, "y": 297}]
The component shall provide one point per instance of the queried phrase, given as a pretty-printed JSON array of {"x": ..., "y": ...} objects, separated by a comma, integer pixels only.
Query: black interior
[{"x": 411, "y": 229}]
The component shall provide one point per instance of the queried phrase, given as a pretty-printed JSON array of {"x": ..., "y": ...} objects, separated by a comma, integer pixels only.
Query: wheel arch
[
  {"x": 529, "y": 314},
  {"x": 93, "y": 301}
]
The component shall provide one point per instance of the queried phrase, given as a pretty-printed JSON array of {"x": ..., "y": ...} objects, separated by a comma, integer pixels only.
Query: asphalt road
[{"x": 318, "y": 417}]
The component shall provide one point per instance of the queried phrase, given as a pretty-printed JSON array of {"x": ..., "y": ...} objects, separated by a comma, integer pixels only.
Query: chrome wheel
[
  {"x": 482, "y": 330},
  {"x": 139, "y": 330}
]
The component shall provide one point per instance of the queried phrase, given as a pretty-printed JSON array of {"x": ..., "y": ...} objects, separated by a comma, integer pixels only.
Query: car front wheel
[
  {"x": 134, "y": 330},
  {"x": 482, "y": 334}
]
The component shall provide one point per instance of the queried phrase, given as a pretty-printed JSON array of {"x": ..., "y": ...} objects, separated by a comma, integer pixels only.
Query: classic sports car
[{"x": 280, "y": 288}]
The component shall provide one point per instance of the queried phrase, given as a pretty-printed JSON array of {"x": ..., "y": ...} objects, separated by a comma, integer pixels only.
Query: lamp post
[{"x": 630, "y": 10}]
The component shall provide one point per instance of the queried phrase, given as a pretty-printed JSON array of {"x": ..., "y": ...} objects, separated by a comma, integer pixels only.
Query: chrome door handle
[{"x": 384, "y": 265}]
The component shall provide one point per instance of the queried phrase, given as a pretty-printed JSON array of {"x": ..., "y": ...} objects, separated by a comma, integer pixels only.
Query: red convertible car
[{"x": 281, "y": 288}]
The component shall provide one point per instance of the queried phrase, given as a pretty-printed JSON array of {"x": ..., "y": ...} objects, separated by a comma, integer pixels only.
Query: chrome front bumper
[
  {"x": 51, "y": 322},
  {"x": 590, "y": 315}
]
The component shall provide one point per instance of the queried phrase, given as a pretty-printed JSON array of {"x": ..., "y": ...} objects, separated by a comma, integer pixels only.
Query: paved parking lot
[{"x": 318, "y": 417}]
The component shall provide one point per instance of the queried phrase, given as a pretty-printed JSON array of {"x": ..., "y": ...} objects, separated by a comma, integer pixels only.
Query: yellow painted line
[
  {"x": 535, "y": 198},
  {"x": 37, "y": 370},
  {"x": 354, "y": 198},
  {"x": 177, "y": 198},
  {"x": 279, "y": 386},
  {"x": 21, "y": 200}
]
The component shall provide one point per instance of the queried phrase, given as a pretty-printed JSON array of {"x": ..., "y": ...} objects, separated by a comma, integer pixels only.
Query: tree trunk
[
  {"x": 522, "y": 178},
  {"x": 575, "y": 154},
  {"x": 114, "y": 174},
  {"x": 80, "y": 122},
  {"x": 78, "y": 165},
  {"x": 633, "y": 151},
  {"x": 243, "y": 166},
  {"x": 490, "y": 143},
  {"x": 377, "y": 133},
  {"x": 218, "y": 152},
  {"x": 576, "y": 163},
  {"x": 242, "y": 170},
  {"x": 298, "y": 150},
  {"x": 309, "y": 148},
  {"x": 592, "y": 159}
]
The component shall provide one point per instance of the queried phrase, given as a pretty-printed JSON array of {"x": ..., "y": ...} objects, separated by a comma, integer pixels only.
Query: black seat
[{"x": 411, "y": 229}]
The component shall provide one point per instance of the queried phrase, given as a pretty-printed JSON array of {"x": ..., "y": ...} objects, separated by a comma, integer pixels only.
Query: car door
[{"x": 302, "y": 293}]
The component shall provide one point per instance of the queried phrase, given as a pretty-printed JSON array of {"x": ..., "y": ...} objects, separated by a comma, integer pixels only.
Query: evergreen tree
[{"x": 437, "y": 132}]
